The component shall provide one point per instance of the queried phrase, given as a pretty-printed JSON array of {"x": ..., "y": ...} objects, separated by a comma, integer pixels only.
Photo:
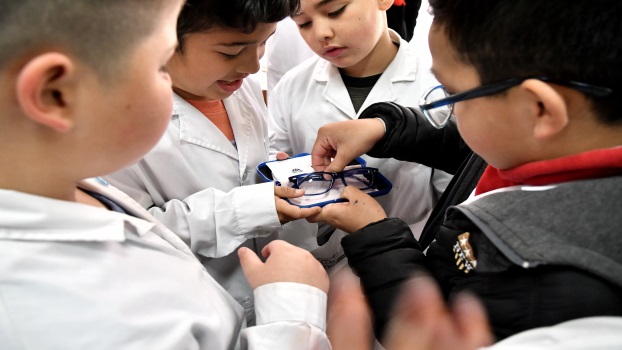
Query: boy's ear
[
  {"x": 43, "y": 89},
  {"x": 384, "y": 5},
  {"x": 551, "y": 112}
]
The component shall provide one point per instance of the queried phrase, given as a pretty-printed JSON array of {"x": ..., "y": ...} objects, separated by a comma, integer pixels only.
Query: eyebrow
[
  {"x": 242, "y": 43},
  {"x": 316, "y": 6}
]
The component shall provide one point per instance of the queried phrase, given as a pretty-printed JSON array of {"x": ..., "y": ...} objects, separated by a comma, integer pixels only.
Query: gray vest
[{"x": 575, "y": 224}]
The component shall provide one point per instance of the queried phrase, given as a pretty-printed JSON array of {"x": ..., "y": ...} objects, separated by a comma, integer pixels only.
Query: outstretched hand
[
  {"x": 422, "y": 321},
  {"x": 284, "y": 263},
  {"x": 337, "y": 144}
]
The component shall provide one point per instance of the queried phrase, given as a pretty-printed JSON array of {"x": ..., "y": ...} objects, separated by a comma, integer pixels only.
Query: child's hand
[
  {"x": 360, "y": 211},
  {"x": 288, "y": 212},
  {"x": 284, "y": 263},
  {"x": 281, "y": 156},
  {"x": 421, "y": 320},
  {"x": 338, "y": 143}
]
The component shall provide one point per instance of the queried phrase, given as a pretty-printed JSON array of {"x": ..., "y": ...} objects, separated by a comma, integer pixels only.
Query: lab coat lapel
[
  {"x": 195, "y": 128},
  {"x": 239, "y": 112},
  {"x": 335, "y": 91},
  {"x": 403, "y": 69}
]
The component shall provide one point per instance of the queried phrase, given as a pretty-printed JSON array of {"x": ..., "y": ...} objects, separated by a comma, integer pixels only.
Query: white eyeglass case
[{"x": 280, "y": 171}]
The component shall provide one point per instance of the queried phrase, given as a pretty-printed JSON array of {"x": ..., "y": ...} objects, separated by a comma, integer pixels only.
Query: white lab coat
[
  {"x": 313, "y": 94},
  {"x": 594, "y": 333},
  {"x": 74, "y": 276},
  {"x": 207, "y": 192}
]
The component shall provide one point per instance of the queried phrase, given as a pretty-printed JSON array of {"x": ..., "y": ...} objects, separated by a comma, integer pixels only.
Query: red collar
[{"x": 586, "y": 165}]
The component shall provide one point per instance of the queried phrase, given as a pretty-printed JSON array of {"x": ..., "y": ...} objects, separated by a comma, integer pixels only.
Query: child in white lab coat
[
  {"x": 360, "y": 61},
  {"x": 82, "y": 265},
  {"x": 200, "y": 179}
]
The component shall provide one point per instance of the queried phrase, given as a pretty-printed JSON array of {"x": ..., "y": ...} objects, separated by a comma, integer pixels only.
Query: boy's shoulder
[
  {"x": 596, "y": 201},
  {"x": 573, "y": 223}
]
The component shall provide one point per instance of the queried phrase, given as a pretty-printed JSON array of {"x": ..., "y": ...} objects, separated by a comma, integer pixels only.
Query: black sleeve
[
  {"x": 410, "y": 137},
  {"x": 384, "y": 255}
]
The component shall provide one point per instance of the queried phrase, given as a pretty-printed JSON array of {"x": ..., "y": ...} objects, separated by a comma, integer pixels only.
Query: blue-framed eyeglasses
[
  {"x": 320, "y": 182},
  {"x": 438, "y": 105}
]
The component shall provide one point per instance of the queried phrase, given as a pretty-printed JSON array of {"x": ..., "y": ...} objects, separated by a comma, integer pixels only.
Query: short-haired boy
[
  {"x": 359, "y": 61},
  {"x": 200, "y": 180},
  {"x": 534, "y": 88},
  {"x": 83, "y": 92}
]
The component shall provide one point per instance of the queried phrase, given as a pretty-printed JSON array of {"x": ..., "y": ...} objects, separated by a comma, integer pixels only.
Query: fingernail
[
  {"x": 242, "y": 251},
  {"x": 300, "y": 192}
]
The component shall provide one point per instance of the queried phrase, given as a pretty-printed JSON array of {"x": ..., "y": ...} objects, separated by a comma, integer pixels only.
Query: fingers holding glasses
[
  {"x": 288, "y": 212},
  {"x": 360, "y": 211}
]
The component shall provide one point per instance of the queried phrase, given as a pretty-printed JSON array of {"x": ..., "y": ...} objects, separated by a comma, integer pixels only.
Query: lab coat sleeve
[
  {"x": 211, "y": 222},
  {"x": 280, "y": 116},
  {"x": 289, "y": 316}
]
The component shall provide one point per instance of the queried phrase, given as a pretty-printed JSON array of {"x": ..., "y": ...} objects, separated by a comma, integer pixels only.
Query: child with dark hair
[
  {"x": 200, "y": 179},
  {"x": 533, "y": 89},
  {"x": 84, "y": 92}
]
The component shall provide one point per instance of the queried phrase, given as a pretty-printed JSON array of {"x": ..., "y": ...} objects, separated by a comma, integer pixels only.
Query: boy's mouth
[
  {"x": 230, "y": 85},
  {"x": 332, "y": 51}
]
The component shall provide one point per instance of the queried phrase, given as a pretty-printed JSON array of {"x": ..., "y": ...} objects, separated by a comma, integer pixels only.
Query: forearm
[
  {"x": 410, "y": 137},
  {"x": 384, "y": 255}
]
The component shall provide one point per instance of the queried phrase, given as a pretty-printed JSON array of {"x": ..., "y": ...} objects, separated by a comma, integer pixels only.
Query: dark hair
[
  {"x": 243, "y": 15},
  {"x": 99, "y": 32},
  {"x": 567, "y": 40}
]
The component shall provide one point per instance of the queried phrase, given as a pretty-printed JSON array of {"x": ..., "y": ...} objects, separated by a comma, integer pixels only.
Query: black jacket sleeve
[
  {"x": 410, "y": 137},
  {"x": 384, "y": 255}
]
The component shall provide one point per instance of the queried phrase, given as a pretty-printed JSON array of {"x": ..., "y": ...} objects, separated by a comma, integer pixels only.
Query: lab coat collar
[
  {"x": 403, "y": 68},
  {"x": 32, "y": 217},
  {"x": 195, "y": 128}
]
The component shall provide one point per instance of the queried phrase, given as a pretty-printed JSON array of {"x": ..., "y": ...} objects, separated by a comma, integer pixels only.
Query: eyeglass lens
[
  {"x": 319, "y": 183},
  {"x": 439, "y": 115},
  {"x": 359, "y": 178}
]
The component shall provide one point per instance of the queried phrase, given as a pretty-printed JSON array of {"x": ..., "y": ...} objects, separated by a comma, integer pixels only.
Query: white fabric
[
  {"x": 79, "y": 277},
  {"x": 594, "y": 333},
  {"x": 313, "y": 94},
  {"x": 284, "y": 50},
  {"x": 202, "y": 188}
]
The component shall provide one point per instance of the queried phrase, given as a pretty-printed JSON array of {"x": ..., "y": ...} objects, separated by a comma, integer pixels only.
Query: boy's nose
[
  {"x": 250, "y": 64},
  {"x": 323, "y": 30}
]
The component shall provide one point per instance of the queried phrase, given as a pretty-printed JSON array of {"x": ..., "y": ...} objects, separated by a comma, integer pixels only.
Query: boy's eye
[
  {"x": 230, "y": 56},
  {"x": 164, "y": 69},
  {"x": 304, "y": 25},
  {"x": 338, "y": 12}
]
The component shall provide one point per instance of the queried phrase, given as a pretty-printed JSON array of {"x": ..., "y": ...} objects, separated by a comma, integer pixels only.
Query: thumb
[
  {"x": 352, "y": 193},
  {"x": 249, "y": 261}
]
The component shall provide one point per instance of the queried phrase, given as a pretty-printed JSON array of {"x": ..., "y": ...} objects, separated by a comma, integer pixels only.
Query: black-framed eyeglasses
[
  {"x": 438, "y": 105},
  {"x": 320, "y": 182}
]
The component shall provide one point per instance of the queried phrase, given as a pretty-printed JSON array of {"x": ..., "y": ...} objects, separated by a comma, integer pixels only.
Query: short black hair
[
  {"x": 576, "y": 40},
  {"x": 102, "y": 33},
  {"x": 244, "y": 15}
]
